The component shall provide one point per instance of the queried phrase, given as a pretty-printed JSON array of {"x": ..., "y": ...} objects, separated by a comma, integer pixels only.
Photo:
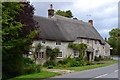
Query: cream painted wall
[{"x": 67, "y": 51}]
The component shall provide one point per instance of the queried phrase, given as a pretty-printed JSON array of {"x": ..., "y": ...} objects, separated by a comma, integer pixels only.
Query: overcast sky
[{"x": 104, "y": 13}]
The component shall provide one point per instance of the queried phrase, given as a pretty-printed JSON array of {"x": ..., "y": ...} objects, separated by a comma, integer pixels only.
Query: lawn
[
  {"x": 47, "y": 74},
  {"x": 41, "y": 75},
  {"x": 90, "y": 66}
]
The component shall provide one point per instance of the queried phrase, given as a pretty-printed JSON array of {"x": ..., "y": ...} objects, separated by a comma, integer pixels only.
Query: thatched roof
[{"x": 66, "y": 29}]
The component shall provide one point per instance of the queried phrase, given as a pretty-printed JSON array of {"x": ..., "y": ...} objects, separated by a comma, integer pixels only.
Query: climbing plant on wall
[
  {"x": 80, "y": 47},
  {"x": 37, "y": 50},
  {"x": 51, "y": 53}
]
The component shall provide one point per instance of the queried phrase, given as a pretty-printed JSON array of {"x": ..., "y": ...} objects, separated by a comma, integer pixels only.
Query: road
[{"x": 93, "y": 74}]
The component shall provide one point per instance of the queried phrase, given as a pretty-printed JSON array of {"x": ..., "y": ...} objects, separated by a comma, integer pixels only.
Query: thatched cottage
[{"x": 58, "y": 31}]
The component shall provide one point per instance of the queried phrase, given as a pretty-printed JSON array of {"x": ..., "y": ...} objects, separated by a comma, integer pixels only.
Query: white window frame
[
  {"x": 58, "y": 43},
  {"x": 60, "y": 56},
  {"x": 77, "y": 53},
  {"x": 43, "y": 41},
  {"x": 40, "y": 55},
  {"x": 88, "y": 41}
]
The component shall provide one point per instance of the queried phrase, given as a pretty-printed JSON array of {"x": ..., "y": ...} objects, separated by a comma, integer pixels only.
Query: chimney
[
  {"x": 50, "y": 11},
  {"x": 90, "y": 21}
]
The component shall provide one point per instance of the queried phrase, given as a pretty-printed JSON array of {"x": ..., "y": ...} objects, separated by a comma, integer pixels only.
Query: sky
[{"x": 104, "y": 13}]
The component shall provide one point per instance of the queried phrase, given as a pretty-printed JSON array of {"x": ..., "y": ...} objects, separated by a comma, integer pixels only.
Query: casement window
[
  {"x": 81, "y": 40},
  {"x": 95, "y": 42},
  {"x": 40, "y": 55},
  {"x": 88, "y": 41},
  {"x": 60, "y": 55},
  {"x": 58, "y": 43},
  {"x": 76, "y": 53},
  {"x": 43, "y": 41}
]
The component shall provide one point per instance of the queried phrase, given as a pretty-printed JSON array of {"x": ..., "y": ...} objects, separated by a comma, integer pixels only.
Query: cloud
[{"x": 103, "y": 12}]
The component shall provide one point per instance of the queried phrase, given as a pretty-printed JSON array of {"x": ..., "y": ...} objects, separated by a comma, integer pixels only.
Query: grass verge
[
  {"x": 36, "y": 76},
  {"x": 88, "y": 66}
]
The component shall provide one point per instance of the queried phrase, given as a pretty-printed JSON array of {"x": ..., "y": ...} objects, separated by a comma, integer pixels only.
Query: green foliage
[
  {"x": 50, "y": 63},
  {"x": 30, "y": 66},
  {"x": 15, "y": 38},
  {"x": 50, "y": 67},
  {"x": 37, "y": 50},
  {"x": 33, "y": 68},
  {"x": 114, "y": 40},
  {"x": 80, "y": 47},
  {"x": 67, "y": 13},
  {"x": 75, "y": 18},
  {"x": 98, "y": 58},
  {"x": 27, "y": 61},
  {"x": 51, "y": 53},
  {"x": 71, "y": 62}
]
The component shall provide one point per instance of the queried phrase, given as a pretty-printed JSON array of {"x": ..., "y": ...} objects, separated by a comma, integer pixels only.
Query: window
[
  {"x": 40, "y": 55},
  {"x": 60, "y": 55},
  {"x": 87, "y": 40},
  {"x": 103, "y": 47},
  {"x": 58, "y": 43},
  {"x": 43, "y": 41},
  {"x": 81, "y": 40},
  {"x": 95, "y": 42},
  {"x": 37, "y": 55},
  {"x": 76, "y": 53}
]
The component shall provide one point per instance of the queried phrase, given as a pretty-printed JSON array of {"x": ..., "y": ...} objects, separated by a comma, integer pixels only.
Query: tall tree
[
  {"x": 67, "y": 13},
  {"x": 114, "y": 40},
  {"x": 17, "y": 34}
]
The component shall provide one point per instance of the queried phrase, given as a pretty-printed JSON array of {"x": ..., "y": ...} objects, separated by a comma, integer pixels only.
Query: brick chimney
[
  {"x": 90, "y": 21},
  {"x": 50, "y": 11}
]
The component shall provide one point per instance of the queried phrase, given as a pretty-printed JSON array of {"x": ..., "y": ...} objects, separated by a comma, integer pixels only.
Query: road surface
[{"x": 94, "y": 74}]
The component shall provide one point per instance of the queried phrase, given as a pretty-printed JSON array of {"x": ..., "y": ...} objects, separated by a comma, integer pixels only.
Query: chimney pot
[
  {"x": 50, "y": 11},
  {"x": 90, "y": 21},
  {"x": 51, "y": 6}
]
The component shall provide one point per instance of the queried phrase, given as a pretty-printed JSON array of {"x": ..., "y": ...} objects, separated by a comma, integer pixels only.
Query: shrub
[
  {"x": 75, "y": 64},
  {"x": 27, "y": 61},
  {"x": 33, "y": 68},
  {"x": 82, "y": 63},
  {"x": 89, "y": 63},
  {"x": 50, "y": 67},
  {"x": 98, "y": 58},
  {"x": 66, "y": 65},
  {"x": 50, "y": 63}
]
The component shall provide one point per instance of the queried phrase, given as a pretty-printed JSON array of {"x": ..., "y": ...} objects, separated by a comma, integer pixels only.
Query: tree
[
  {"x": 37, "y": 50},
  {"x": 114, "y": 40},
  {"x": 51, "y": 53},
  {"x": 67, "y": 13},
  {"x": 16, "y": 36},
  {"x": 80, "y": 47}
]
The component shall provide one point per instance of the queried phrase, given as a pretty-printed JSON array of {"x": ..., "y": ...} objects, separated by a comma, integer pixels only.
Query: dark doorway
[{"x": 88, "y": 56}]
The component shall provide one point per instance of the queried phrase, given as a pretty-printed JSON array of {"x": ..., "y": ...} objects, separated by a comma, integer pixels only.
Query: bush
[
  {"x": 50, "y": 67},
  {"x": 66, "y": 65},
  {"x": 27, "y": 61},
  {"x": 75, "y": 64},
  {"x": 30, "y": 66},
  {"x": 98, "y": 58},
  {"x": 89, "y": 63},
  {"x": 50, "y": 63},
  {"x": 33, "y": 68}
]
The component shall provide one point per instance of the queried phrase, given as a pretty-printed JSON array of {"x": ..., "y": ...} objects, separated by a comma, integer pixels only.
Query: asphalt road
[{"x": 93, "y": 74}]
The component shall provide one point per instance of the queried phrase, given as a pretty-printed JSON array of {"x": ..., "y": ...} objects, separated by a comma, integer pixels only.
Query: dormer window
[
  {"x": 58, "y": 43},
  {"x": 43, "y": 42}
]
